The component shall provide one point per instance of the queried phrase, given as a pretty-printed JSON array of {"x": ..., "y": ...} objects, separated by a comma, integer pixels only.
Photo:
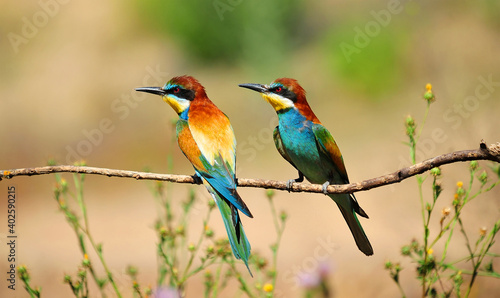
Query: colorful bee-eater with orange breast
[
  {"x": 306, "y": 144},
  {"x": 206, "y": 138}
]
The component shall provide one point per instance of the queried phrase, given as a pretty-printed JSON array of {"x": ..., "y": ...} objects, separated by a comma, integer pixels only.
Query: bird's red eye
[
  {"x": 176, "y": 90},
  {"x": 278, "y": 89}
]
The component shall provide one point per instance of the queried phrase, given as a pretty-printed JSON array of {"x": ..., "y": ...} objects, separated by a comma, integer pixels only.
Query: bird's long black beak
[
  {"x": 255, "y": 87},
  {"x": 153, "y": 90}
]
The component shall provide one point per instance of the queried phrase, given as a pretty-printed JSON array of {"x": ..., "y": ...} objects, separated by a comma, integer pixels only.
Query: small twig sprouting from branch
[{"x": 483, "y": 153}]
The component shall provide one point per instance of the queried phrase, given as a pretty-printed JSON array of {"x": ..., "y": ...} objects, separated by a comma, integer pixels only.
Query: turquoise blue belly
[{"x": 300, "y": 143}]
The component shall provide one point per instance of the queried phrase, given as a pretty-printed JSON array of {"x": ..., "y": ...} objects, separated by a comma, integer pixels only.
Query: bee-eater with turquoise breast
[
  {"x": 206, "y": 138},
  {"x": 306, "y": 144}
]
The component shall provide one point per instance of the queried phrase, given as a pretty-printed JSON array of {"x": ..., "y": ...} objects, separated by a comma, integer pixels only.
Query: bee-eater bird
[
  {"x": 308, "y": 146},
  {"x": 206, "y": 138}
]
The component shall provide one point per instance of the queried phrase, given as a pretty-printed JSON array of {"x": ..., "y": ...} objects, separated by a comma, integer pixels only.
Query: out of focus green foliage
[
  {"x": 262, "y": 34},
  {"x": 226, "y": 30},
  {"x": 266, "y": 34},
  {"x": 491, "y": 10},
  {"x": 369, "y": 65}
]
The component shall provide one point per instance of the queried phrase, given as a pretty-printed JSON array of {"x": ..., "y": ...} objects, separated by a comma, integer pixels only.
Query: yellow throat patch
[
  {"x": 278, "y": 102},
  {"x": 179, "y": 105}
]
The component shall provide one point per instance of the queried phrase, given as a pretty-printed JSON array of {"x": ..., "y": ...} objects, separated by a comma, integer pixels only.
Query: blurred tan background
[{"x": 66, "y": 84}]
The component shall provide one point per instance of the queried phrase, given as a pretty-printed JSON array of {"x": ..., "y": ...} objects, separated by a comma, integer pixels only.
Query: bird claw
[
  {"x": 325, "y": 186},
  {"x": 290, "y": 182}
]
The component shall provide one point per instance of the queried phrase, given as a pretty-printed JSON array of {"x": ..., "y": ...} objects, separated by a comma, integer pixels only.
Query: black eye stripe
[
  {"x": 182, "y": 93},
  {"x": 285, "y": 92}
]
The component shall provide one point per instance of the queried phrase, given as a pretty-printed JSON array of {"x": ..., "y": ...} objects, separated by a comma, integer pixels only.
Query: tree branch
[{"x": 483, "y": 153}]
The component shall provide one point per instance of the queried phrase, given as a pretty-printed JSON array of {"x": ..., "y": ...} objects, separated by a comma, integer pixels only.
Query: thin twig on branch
[{"x": 483, "y": 153}]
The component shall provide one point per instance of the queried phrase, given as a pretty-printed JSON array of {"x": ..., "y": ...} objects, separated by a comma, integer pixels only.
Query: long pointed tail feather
[
  {"x": 237, "y": 238},
  {"x": 352, "y": 221}
]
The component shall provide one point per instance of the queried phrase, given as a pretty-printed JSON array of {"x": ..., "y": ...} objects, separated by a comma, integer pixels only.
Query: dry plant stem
[{"x": 485, "y": 152}]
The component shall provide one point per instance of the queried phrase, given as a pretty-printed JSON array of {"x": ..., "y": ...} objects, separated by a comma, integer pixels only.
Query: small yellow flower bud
[
  {"x": 388, "y": 265},
  {"x": 180, "y": 230},
  {"x": 261, "y": 262},
  {"x": 460, "y": 184},
  {"x": 209, "y": 233},
  {"x": 271, "y": 273},
  {"x": 283, "y": 215},
  {"x": 482, "y": 232},
  {"x": 22, "y": 269},
  {"x": 132, "y": 270},
  {"x": 163, "y": 231},
  {"x": 410, "y": 121},
  {"x": 86, "y": 261},
  {"x": 82, "y": 273},
  {"x": 436, "y": 172},
  {"x": 210, "y": 250},
  {"x": 268, "y": 288},
  {"x": 456, "y": 200},
  {"x": 23, "y": 272},
  {"x": 406, "y": 250},
  {"x": 81, "y": 163},
  {"x": 483, "y": 178},
  {"x": 428, "y": 95},
  {"x": 208, "y": 274},
  {"x": 410, "y": 126}
]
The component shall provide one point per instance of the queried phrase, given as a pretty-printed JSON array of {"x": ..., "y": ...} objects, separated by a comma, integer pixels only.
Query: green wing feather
[{"x": 330, "y": 151}]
